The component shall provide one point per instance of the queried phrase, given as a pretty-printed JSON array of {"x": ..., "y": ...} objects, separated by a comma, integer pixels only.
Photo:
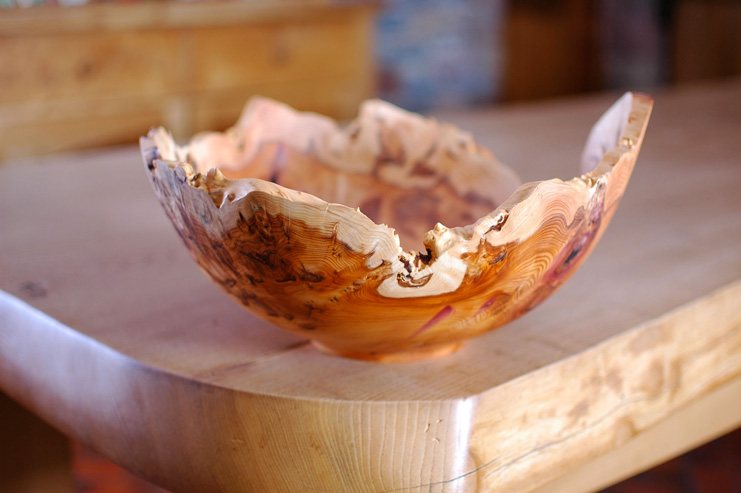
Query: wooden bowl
[{"x": 332, "y": 271}]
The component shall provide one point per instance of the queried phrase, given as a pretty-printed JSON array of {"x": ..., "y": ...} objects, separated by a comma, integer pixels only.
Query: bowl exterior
[{"x": 295, "y": 260}]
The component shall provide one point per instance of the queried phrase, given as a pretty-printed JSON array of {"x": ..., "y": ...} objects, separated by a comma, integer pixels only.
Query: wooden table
[{"x": 109, "y": 332}]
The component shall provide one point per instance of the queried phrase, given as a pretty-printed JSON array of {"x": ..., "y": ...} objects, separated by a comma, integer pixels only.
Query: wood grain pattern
[
  {"x": 702, "y": 420},
  {"x": 111, "y": 333},
  {"x": 97, "y": 75},
  {"x": 347, "y": 281}
]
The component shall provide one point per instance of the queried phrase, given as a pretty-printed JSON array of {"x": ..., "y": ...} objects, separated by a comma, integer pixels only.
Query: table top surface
[{"x": 84, "y": 240}]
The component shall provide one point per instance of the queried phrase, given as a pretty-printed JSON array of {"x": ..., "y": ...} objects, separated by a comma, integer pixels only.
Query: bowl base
[{"x": 416, "y": 354}]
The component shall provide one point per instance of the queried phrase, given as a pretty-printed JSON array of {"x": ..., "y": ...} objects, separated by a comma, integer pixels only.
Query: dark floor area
[{"x": 713, "y": 468}]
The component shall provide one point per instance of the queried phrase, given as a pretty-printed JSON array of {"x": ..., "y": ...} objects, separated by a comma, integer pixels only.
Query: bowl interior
[{"x": 398, "y": 168}]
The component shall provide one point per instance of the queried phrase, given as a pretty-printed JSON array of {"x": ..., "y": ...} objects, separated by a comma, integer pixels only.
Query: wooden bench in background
[{"x": 81, "y": 77}]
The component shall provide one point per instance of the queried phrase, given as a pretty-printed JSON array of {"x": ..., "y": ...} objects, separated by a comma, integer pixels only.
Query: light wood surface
[
  {"x": 109, "y": 331},
  {"x": 709, "y": 417},
  {"x": 73, "y": 78}
]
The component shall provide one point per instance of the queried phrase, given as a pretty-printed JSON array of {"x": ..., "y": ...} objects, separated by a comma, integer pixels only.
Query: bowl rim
[{"x": 615, "y": 138}]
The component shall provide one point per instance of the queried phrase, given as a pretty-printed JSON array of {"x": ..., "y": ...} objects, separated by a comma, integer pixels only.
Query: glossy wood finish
[
  {"x": 109, "y": 331},
  {"x": 250, "y": 207}
]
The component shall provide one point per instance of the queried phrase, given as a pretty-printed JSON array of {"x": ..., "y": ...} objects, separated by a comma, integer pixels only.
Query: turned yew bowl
[{"x": 393, "y": 238}]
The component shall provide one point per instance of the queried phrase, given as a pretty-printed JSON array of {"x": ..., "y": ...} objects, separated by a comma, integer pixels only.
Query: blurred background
[
  {"x": 85, "y": 73},
  {"x": 77, "y": 74}
]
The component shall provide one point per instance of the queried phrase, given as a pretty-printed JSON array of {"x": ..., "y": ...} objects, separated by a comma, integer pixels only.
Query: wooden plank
[
  {"x": 83, "y": 87},
  {"x": 141, "y": 357},
  {"x": 54, "y": 67},
  {"x": 224, "y": 56},
  {"x": 704, "y": 419},
  {"x": 77, "y": 123},
  {"x": 156, "y": 62}
]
